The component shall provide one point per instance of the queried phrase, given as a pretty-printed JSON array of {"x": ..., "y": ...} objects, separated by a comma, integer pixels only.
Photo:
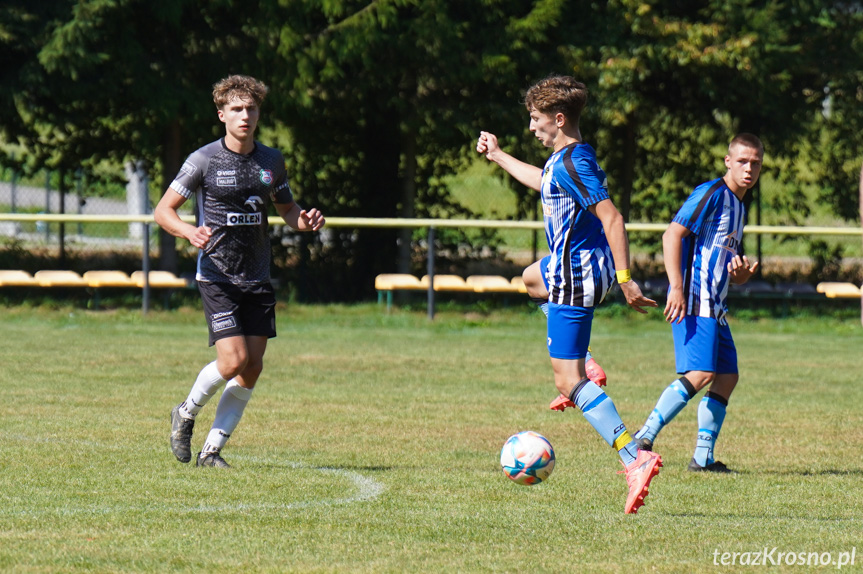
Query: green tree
[
  {"x": 118, "y": 79},
  {"x": 375, "y": 101},
  {"x": 676, "y": 79},
  {"x": 385, "y": 98}
]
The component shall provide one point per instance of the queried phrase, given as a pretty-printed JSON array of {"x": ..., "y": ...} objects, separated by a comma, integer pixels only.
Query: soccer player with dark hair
[
  {"x": 589, "y": 249},
  {"x": 234, "y": 180},
  {"x": 701, "y": 249}
]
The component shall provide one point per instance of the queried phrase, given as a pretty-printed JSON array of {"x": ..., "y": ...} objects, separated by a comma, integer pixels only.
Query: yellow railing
[{"x": 394, "y": 222}]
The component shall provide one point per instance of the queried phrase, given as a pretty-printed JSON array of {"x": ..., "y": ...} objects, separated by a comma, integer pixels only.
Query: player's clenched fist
[{"x": 487, "y": 143}]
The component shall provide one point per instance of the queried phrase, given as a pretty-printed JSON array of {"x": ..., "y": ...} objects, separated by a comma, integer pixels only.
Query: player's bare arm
[
  {"x": 615, "y": 231},
  {"x": 168, "y": 219},
  {"x": 525, "y": 173},
  {"x": 672, "y": 248},
  {"x": 300, "y": 219},
  {"x": 740, "y": 270}
]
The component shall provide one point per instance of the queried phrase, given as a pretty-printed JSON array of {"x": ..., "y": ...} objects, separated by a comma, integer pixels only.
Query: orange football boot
[{"x": 638, "y": 477}]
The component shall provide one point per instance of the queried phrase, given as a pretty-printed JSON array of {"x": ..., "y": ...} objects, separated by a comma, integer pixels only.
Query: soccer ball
[{"x": 527, "y": 458}]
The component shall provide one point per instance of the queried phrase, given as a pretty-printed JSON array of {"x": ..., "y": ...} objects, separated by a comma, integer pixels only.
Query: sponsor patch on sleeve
[{"x": 189, "y": 168}]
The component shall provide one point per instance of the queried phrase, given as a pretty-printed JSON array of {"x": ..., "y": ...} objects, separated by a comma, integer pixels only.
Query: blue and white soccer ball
[{"x": 527, "y": 458}]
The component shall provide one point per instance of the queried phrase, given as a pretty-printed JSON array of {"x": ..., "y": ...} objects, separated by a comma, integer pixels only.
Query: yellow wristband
[{"x": 624, "y": 276}]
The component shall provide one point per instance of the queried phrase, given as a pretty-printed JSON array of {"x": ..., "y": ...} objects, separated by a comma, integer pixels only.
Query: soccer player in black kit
[{"x": 234, "y": 180}]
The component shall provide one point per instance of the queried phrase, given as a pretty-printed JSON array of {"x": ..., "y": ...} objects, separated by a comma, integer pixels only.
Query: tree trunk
[
  {"x": 628, "y": 172},
  {"x": 409, "y": 191},
  {"x": 376, "y": 249}
]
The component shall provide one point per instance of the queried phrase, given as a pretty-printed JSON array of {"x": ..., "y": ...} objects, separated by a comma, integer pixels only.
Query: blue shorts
[
  {"x": 568, "y": 331},
  {"x": 702, "y": 344}
]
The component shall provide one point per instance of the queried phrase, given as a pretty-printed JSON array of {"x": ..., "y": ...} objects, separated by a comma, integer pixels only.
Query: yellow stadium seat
[
  {"x": 448, "y": 283},
  {"x": 518, "y": 283},
  {"x": 837, "y": 290},
  {"x": 108, "y": 279},
  {"x": 491, "y": 284},
  {"x": 386, "y": 283},
  {"x": 397, "y": 282},
  {"x": 159, "y": 280},
  {"x": 50, "y": 278},
  {"x": 16, "y": 278}
]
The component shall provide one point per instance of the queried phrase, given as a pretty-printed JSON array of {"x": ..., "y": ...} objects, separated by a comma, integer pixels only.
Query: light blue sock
[
  {"x": 600, "y": 412},
  {"x": 671, "y": 401},
  {"x": 711, "y": 415}
]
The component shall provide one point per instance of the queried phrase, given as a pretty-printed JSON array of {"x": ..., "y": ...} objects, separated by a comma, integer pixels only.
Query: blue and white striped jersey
[
  {"x": 715, "y": 216},
  {"x": 581, "y": 270}
]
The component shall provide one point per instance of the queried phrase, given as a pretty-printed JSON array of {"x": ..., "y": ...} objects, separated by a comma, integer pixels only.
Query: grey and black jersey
[{"x": 234, "y": 193}]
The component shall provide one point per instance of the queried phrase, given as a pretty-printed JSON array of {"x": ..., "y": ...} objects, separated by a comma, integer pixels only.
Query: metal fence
[
  {"x": 147, "y": 224},
  {"x": 30, "y": 199},
  {"x": 39, "y": 217}
]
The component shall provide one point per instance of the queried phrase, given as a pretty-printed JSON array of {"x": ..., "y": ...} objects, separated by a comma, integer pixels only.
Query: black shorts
[{"x": 232, "y": 310}]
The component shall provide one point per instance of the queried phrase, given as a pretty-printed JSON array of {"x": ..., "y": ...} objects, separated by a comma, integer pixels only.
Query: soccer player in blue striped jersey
[
  {"x": 589, "y": 250},
  {"x": 701, "y": 249}
]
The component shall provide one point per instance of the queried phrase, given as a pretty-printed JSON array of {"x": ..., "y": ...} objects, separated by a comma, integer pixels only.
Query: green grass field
[{"x": 372, "y": 444}]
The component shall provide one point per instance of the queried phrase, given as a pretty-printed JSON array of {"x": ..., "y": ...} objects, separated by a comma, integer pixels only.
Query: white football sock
[
  {"x": 208, "y": 382},
  {"x": 228, "y": 414}
]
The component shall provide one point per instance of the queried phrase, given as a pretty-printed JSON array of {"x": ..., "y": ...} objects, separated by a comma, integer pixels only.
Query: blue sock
[
  {"x": 671, "y": 401},
  {"x": 711, "y": 415},
  {"x": 600, "y": 412}
]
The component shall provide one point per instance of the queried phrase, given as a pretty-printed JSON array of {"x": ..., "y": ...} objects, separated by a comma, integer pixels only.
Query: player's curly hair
[
  {"x": 557, "y": 94},
  {"x": 238, "y": 86}
]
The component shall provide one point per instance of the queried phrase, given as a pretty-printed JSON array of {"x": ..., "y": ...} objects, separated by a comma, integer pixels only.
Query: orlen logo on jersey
[
  {"x": 235, "y": 219},
  {"x": 267, "y": 176}
]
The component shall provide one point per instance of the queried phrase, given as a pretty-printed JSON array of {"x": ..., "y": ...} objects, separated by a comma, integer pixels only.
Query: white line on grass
[{"x": 365, "y": 489}]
